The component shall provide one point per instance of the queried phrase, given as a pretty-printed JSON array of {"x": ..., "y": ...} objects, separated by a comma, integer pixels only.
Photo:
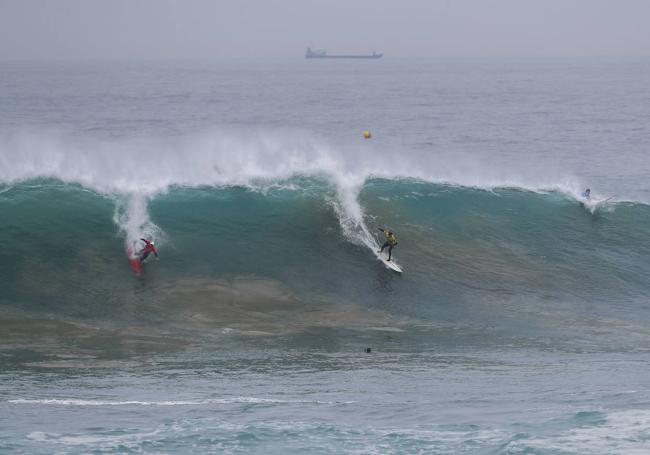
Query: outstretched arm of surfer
[{"x": 382, "y": 229}]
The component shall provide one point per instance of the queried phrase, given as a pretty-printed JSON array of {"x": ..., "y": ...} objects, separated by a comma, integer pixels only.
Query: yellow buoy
[{"x": 367, "y": 135}]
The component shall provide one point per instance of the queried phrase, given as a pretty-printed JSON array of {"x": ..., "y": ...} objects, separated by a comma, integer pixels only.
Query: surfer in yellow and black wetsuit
[{"x": 391, "y": 242}]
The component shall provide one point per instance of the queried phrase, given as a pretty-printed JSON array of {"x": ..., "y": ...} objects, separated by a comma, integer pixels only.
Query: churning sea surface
[{"x": 521, "y": 322}]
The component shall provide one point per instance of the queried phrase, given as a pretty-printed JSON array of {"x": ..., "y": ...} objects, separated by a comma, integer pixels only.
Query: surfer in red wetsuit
[{"x": 147, "y": 250}]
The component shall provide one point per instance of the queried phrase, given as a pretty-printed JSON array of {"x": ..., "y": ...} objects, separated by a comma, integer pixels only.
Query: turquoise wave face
[
  {"x": 517, "y": 241},
  {"x": 504, "y": 258}
]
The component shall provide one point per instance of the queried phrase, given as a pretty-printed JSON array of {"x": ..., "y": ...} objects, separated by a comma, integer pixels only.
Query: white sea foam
[
  {"x": 105, "y": 441},
  {"x": 210, "y": 401},
  {"x": 623, "y": 432},
  {"x": 132, "y": 217}
]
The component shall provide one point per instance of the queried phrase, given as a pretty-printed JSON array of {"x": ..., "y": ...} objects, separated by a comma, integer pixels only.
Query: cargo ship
[{"x": 319, "y": 53}]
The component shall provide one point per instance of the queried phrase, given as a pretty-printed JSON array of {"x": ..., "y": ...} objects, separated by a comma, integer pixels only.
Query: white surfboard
[
  {"x": 371, "y": 242},
  {"x": 389, "y": 264}
]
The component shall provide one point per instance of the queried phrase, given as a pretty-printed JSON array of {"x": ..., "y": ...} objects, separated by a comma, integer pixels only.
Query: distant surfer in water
[
  {"x": 390, "y": 243},
  {"x": 147, "y": 250},
  {"x": 587, "y": 194}
]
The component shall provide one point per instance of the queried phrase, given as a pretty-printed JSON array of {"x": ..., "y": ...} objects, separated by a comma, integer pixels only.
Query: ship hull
[{"x": 346, "y": 56}]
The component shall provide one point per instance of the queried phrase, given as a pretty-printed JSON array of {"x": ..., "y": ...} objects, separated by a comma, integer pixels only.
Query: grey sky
[{"x": 159, "y": 29}]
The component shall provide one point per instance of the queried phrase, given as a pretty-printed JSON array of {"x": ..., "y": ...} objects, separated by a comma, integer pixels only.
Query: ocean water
[{"x": 521, "y": 323}]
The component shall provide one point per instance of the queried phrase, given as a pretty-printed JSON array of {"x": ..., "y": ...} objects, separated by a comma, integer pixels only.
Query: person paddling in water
[
  {"x": 147, "y": 250},
  {"x": 391, "y": 242},
  {"x": 587, "y": 194}
]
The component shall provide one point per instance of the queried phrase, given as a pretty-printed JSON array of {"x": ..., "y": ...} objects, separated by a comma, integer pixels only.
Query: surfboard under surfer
[
  {"x": 147, "y": 250},
  {"x": 391, "y": 242}
]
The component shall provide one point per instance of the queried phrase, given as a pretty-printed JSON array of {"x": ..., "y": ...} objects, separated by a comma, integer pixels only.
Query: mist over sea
[{"x": 521, "y": 323}]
